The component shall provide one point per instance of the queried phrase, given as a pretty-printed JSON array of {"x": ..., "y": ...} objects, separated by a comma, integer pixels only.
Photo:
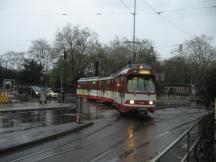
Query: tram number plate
[{"x": 143, "y": 109}]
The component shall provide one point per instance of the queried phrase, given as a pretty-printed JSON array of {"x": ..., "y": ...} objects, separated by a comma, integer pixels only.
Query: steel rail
[
  {"x": 191, "y": 149},
  {"x": 163, "y": 153},
  {"x": 64, "y": 144}
]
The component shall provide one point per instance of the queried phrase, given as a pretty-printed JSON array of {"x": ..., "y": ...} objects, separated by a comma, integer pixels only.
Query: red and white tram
[{"x": 131, "y": 89}]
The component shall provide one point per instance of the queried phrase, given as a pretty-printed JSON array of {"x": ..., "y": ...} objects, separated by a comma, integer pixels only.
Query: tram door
[
  {"x": 122, "y": 89},
  {"x": 119, "y": 90},
  {"x": 116, "y": 95},
  {"x": 100, "y": 93},
  {"x": 103, "y": 88}
]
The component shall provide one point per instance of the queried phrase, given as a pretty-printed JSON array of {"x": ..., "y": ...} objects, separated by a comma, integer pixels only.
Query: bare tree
[
  {"x": 77, "y": 44},
  {"x": 146, "y": 53},
  {"x": 174, "y": 69},
  {"x": 41, "y": 52},
  {"x": 200, "y": 56},
  {"x": 12, "y": 60},
  {"x": 1, "y": 60},
  {"x": 119, "y": 52}
]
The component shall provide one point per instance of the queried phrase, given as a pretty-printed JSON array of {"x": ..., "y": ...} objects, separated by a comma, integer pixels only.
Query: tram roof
[
  {"x": 122, "y": 72},
  {"x": 133, "y": 66},
  {"x": 95, "y": 78},
  {"x": 88, "y": 79},
  {"x": 106, "y": 78}
]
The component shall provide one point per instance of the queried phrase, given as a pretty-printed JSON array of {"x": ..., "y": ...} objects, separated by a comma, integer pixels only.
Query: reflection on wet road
[
  {"x": 21, "y": 120},
  {"x": 113, "y": 137}
]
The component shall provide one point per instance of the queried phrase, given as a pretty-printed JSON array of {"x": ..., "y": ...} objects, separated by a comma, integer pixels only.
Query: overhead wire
[
  {"x": 109, "y": 13},
  {"x": 117, "y": 13},
  {"x": 166, "y": 19},
  {"x": 66, "y": 14},
  {"x": 189, "y": 9},
  {"x": 124, "y": 4},
  {"x": 178, "y": 10}
]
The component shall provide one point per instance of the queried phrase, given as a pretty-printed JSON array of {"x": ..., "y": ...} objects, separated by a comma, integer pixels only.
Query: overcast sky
[{"x": 22, "y": 21}]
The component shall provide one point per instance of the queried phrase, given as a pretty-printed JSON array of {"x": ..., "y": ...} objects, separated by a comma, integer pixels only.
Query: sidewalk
[
  {"x": 14, "y": 140},
  {"x": 33, "y": 106}
]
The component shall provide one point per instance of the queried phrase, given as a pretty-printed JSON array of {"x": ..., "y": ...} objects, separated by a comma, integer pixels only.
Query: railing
[{"x": 195, "y": 138}]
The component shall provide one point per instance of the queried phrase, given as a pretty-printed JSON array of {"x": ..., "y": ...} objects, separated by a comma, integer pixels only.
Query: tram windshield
[{"x": 140, "y": 84}]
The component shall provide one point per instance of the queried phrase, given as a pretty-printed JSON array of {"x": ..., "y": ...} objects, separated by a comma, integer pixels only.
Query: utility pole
[
  {"x": 65, "y": 75},
  {"x": 133, "y": 55},
  {"x": 134, "y": 33}
]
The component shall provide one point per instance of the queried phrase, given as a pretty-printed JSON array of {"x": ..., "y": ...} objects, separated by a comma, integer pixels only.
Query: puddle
[
  {"x": 23, "y": 120},
  {"x": 15, "y": 121}
]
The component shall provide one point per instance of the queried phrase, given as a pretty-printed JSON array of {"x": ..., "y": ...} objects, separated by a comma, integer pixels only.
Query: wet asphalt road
[
  {"x": 113, "y": 137},
  {"x": 23, "y": 120}
]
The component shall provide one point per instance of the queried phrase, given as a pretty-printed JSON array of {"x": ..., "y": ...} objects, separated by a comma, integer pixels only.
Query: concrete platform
[
  {"x": 33, "y": 106},
  {"x": 14, "y": 140}
]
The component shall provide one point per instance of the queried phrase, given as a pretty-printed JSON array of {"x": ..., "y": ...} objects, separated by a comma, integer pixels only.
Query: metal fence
[{"x": 196, "y": 143}]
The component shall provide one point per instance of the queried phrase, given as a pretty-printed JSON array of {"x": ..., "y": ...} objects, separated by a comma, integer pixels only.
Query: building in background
[{"x": 179, "y": 89}]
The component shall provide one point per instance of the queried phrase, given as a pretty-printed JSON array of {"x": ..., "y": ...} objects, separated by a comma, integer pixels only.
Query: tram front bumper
[{"x": 150, "y": 108}]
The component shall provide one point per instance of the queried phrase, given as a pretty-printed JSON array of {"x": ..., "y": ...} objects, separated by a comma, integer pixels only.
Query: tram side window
[
  {"x": 123, "y": 83},
  {"x": 108, "y": 85},
  {"x": 103, "y": 85},
  {"x": 99, "y": 85},
  {"x": 117, "y": 84},
  {"x": 94, "y": 85},
  {"x": 88, "y": 86},
  {"x": 83, "y": 85},
  {"x": 112, "y": 85}
]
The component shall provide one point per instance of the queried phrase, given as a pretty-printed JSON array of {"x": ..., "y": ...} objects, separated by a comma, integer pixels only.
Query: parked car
[
  {"x": 50, "y": 93},
  {"x": 33, "y": 91}
]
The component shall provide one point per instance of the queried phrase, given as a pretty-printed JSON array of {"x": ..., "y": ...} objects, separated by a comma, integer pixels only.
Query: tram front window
[{"x": 140, "y": 84}]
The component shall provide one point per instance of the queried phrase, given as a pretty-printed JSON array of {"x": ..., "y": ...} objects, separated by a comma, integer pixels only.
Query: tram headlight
[
  {"x": 131, "y": 101},
  {"x": 151, "y": 102}
]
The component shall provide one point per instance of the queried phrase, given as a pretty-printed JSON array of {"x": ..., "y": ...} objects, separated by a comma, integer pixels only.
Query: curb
[
  {"x": 38, "y": 108},
  {"x": 46, "y": 138}
]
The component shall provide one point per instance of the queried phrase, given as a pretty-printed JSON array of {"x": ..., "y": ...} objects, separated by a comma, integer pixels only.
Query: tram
[{"x": 131, "y": 89}]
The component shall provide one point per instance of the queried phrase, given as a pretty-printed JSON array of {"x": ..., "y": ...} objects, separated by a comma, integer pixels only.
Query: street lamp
[{"x": 61, "y": 76}]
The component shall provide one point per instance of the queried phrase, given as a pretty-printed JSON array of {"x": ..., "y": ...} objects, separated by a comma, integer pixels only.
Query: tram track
[
  {"x": 67, "y": 143},
  {"x": 53, "y": 151},
  {"x": 120, "y": 141},
  {"x": 137, "y": 125},
  {"x": 128, "y": 152}
]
